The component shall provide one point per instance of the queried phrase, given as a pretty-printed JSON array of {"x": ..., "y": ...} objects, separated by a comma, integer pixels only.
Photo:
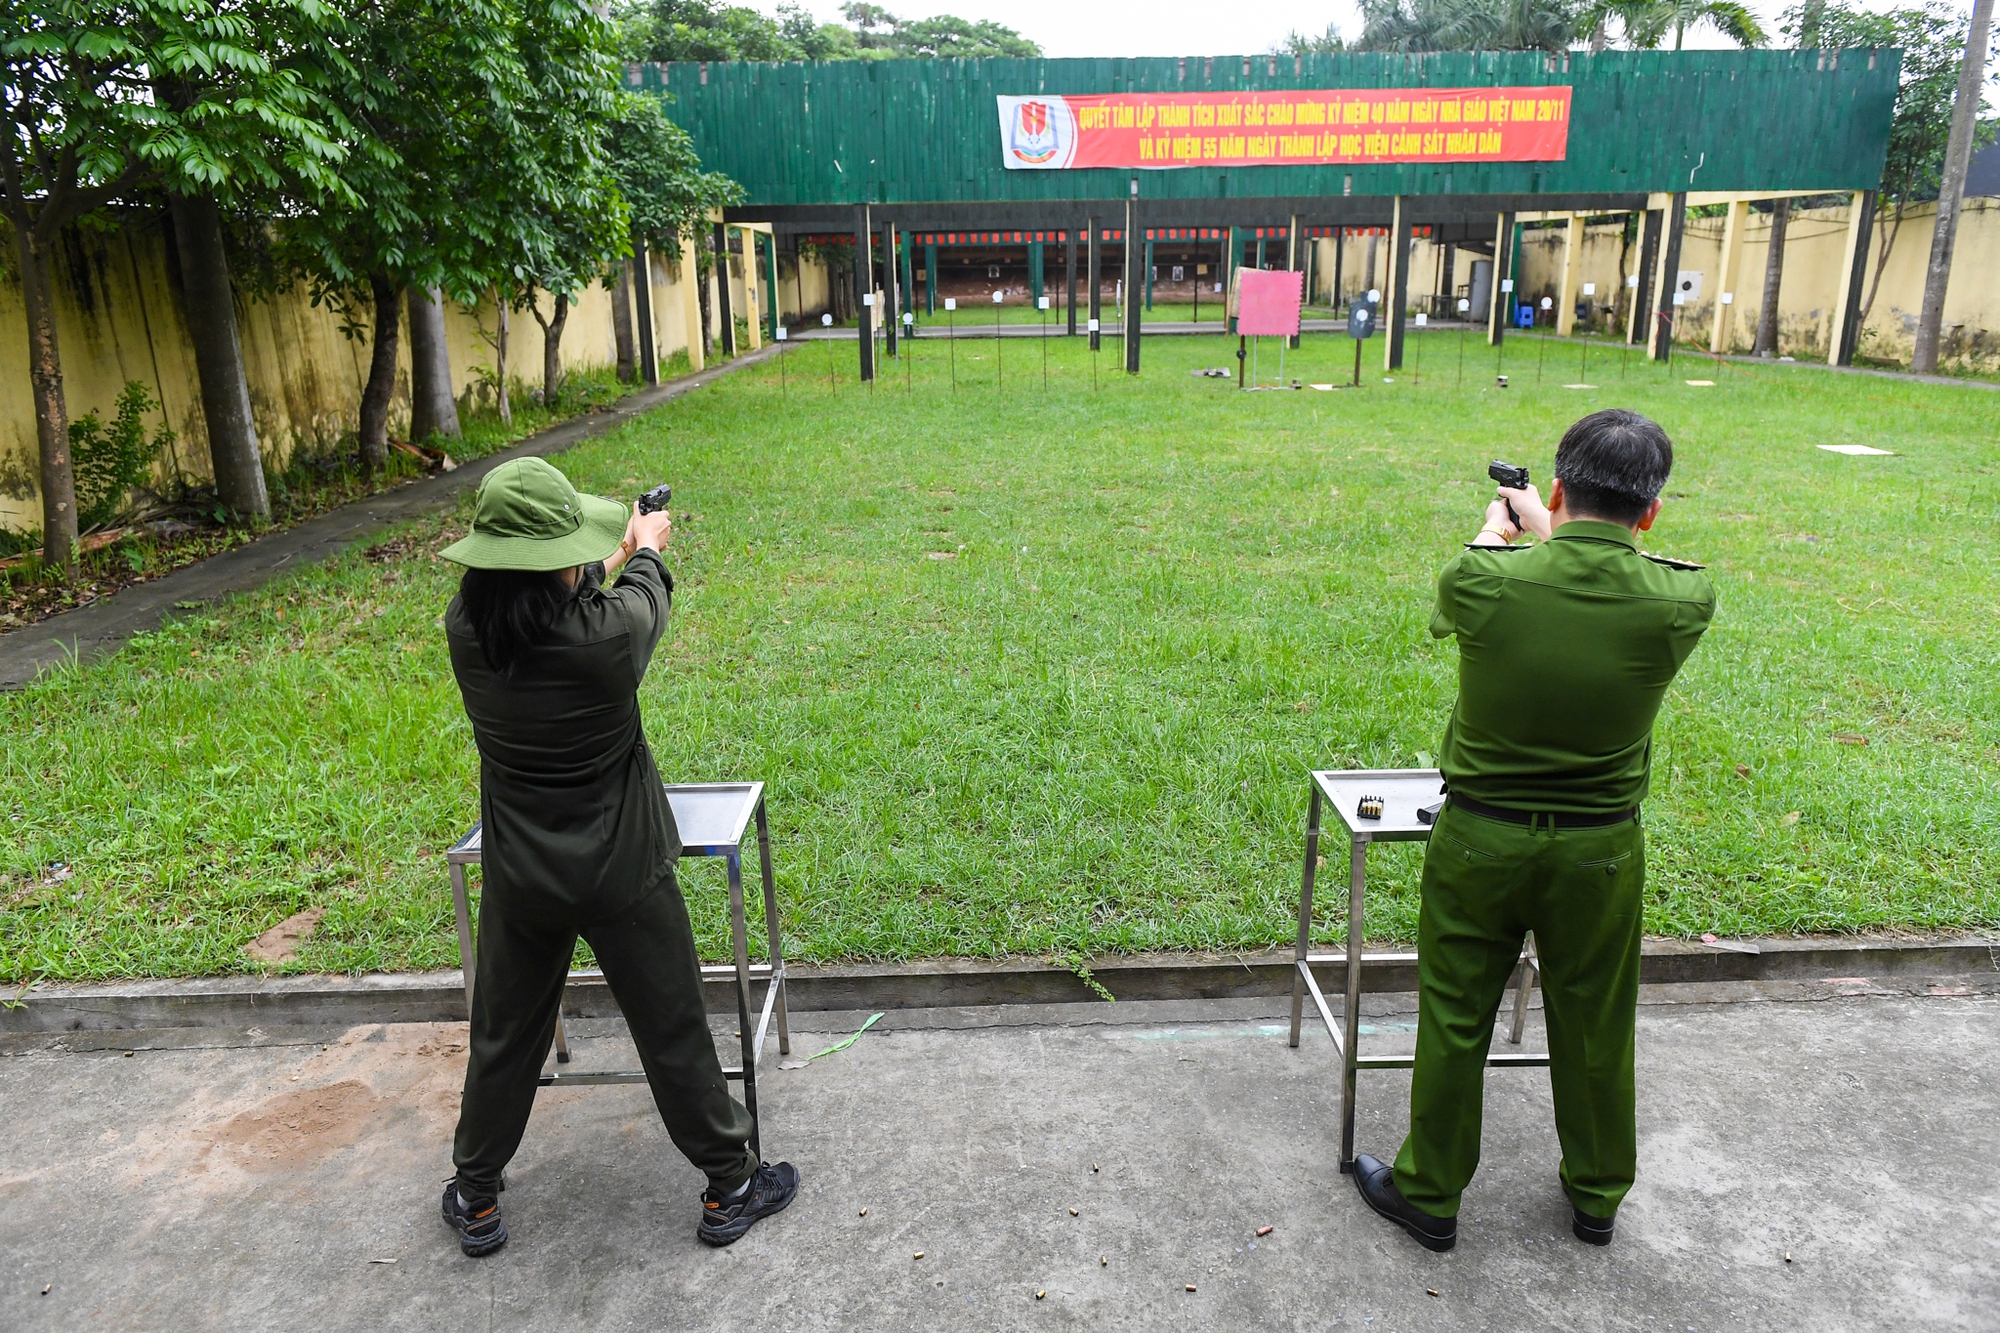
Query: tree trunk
[
  {"x": 701, "y": 289},
  {"x": 381, "y": 386},
  {"x": 218, "y": 356},
  {"x": 433, "y": 411},
  {"x": 1774, "y": 278},
  {"x": 621, "y": 323},
  {"x": 58, "y": 476},
  {"x": 1951, "y": 191},
  {"x": 501, "y": 299},
  {"x": 552, "y": 351},
  {"x": 1889, "y": 234}
]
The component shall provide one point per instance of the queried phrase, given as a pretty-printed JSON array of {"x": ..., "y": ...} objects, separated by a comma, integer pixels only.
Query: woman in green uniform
[{"x": 578, "y": 838}]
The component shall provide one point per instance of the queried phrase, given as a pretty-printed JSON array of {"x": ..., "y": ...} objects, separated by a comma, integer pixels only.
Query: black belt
[{"x": 1555, "y": 820}]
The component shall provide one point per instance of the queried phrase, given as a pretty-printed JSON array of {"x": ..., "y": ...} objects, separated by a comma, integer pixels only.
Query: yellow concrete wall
[
  {"x": 1814, "y": 248},
  {"x": 1426, "y": 279},
  {"x": 120, "y": 317},
  {"x": 808, "y": 278}
]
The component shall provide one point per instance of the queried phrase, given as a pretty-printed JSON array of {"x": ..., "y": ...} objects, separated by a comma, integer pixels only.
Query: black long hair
[{"x": 511, "y": 610}]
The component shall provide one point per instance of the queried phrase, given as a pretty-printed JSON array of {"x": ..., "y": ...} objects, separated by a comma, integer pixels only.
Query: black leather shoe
[
  {"x": 1590, "y": 1230},
  {"x": 477, "y": 1221},
  {"x": 724, "y": 1220},
  {"x": 1377, "y": 1182}
]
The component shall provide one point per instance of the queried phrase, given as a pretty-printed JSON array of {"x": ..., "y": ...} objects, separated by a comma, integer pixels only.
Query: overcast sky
[{"x": 1182, "y": 27}]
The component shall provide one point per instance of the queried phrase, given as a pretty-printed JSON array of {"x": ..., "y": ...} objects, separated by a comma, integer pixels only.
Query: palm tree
[
  {"x": 1644, "y": 24},
  {"x": 1411, "y": 26}
]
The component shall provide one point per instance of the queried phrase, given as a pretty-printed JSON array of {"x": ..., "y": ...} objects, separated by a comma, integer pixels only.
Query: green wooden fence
[{"x": 926, "y": 131}]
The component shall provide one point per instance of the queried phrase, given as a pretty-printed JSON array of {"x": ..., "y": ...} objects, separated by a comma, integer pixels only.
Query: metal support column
[
  {"x": 1069, "y": 305},
  {"x": 1035, "y": 273},
  {"x": 1149, "y": 274},
  {"x": 723, "y": 311},
  {"x": 892, "y": 301},
  {"x": 1137, "y": 254},
  {"x": 771, "y": 249},
  {"x": 1292, "y": 257},
  {"x": 1496, "y": 312},
  {"x": 1661, "y": 343},
  {"x": 864, "y": 275},
  {"x": 1638, "y": 328},
  {"x": 930, "y": 279},
  {"x": 1096, "y": 285},
  {"x": 1399, "y": 285},
  {"x": 905, "y": 280},
  {"x": 642, "y": 293}
]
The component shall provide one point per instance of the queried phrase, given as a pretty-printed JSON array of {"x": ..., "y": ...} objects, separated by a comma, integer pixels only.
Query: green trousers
[
  {"x": 650, "y": 964},
  {"x": 1485, "y": 883}
]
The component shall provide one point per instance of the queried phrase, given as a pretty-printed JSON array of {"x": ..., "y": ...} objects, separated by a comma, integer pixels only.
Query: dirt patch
[
  {"x": 280, "y": 944},
  {"x": 295, "y": 1130}
]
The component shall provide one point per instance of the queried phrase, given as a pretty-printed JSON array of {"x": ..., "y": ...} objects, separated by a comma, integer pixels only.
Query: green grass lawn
[{"x": 1042, "y": 670}]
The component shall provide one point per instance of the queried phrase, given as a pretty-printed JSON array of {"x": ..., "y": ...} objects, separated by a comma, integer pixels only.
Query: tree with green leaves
[
  {"x": 671, "y": 198},
  {"x": 663, "y": 30},
  {"x": 1932, "y": 39},
  {"x": 107, "y": 99},
  {"x": 1298, "y": 43},
  {"x": 1645, "y": 24},
  {"x": 1414, "y": 26},
  {"x": 477, "y": 159}
]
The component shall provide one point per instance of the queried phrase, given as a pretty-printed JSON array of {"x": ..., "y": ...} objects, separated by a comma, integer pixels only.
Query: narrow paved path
[{"x": 103, "y": 626}]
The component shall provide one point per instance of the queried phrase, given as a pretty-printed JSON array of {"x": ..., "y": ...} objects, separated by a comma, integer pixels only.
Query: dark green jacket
[
  {"x": 577, "y": 825},
  {"x": 1565, "y": 650}
]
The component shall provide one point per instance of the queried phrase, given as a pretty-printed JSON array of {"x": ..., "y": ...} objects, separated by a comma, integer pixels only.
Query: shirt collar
[{"x": 1594, "y": 529}]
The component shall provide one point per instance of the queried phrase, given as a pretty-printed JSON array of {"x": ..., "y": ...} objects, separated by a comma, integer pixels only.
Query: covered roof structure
[{"x": 1342, "y": 140}]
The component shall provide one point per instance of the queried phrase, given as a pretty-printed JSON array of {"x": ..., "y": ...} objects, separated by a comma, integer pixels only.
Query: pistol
[
  {"x": 653, "y": 501},
  {"x": 1515, "y": 478}
]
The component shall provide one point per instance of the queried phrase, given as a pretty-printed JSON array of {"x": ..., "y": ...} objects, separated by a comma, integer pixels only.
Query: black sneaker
[
  {"x": 1377, "y": 1182},
  {"x": 724, "y": 1220},
  {"x": 1590, "y": 1230},
  {"x": 477, "y": 1222}
]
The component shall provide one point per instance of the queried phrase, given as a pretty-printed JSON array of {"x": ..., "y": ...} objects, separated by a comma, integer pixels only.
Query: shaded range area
[
  {"x": 248, "y": 1178},
  {"x": 897, "y": 159}
]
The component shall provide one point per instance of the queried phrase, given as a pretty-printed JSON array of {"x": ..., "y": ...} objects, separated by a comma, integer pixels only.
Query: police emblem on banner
[{"x": 1036, "y": 132}]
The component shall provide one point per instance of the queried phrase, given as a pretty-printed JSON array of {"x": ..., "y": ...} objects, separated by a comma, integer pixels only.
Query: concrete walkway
[
  {"x": 103, "y": 626},
  {"x": 1822, "y": 1166}
]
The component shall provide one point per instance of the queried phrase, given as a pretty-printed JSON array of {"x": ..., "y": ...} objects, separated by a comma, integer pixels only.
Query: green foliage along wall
[{"x": 927, "y": 130}]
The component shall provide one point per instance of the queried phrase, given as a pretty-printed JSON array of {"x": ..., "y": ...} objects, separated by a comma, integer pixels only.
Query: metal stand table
[
  {"x": 713, "y": 818},
  {"x": 1402, "y": 792}
]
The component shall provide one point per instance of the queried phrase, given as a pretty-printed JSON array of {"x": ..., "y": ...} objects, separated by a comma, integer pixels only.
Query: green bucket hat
[{"x": 529, "y": 517}]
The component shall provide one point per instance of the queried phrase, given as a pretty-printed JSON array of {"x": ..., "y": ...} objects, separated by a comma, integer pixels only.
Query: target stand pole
[{"x": 1402, "y": 792}]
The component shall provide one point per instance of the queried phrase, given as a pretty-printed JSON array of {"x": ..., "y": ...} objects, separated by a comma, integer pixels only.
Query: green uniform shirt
[
  {"x": 1565, "y": 650},
  {"x": 577, "y": 825}
]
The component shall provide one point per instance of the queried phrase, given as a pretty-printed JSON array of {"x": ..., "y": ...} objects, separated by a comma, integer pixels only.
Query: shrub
[{"x": 111, "y": 460}]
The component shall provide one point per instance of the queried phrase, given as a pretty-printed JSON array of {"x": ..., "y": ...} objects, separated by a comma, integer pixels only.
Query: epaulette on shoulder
[
  {"x": 1670, "y": 562},
  {"x": 1477, "y": 546}
]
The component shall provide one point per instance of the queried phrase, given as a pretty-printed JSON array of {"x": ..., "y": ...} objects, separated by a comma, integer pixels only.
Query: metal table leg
[
  {"x": 1529, "y": 969},
  {"x": 771, "y": 930},
  {"x": 1351, "y": 1020},
  {"x": 1305, "y": 916},
  {"x": 739, "y": 936},
  {"x": 467, "y": 961}
]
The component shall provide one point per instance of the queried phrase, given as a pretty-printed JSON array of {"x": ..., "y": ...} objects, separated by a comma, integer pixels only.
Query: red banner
[{"x": 1311, "y": 127}]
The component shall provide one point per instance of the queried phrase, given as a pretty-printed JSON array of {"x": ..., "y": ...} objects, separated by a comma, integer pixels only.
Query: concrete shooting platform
[{"x": 235, "y": 1179}]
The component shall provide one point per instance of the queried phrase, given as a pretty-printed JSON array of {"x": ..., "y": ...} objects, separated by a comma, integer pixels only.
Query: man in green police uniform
[{"x": 1566, "y": 649}]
